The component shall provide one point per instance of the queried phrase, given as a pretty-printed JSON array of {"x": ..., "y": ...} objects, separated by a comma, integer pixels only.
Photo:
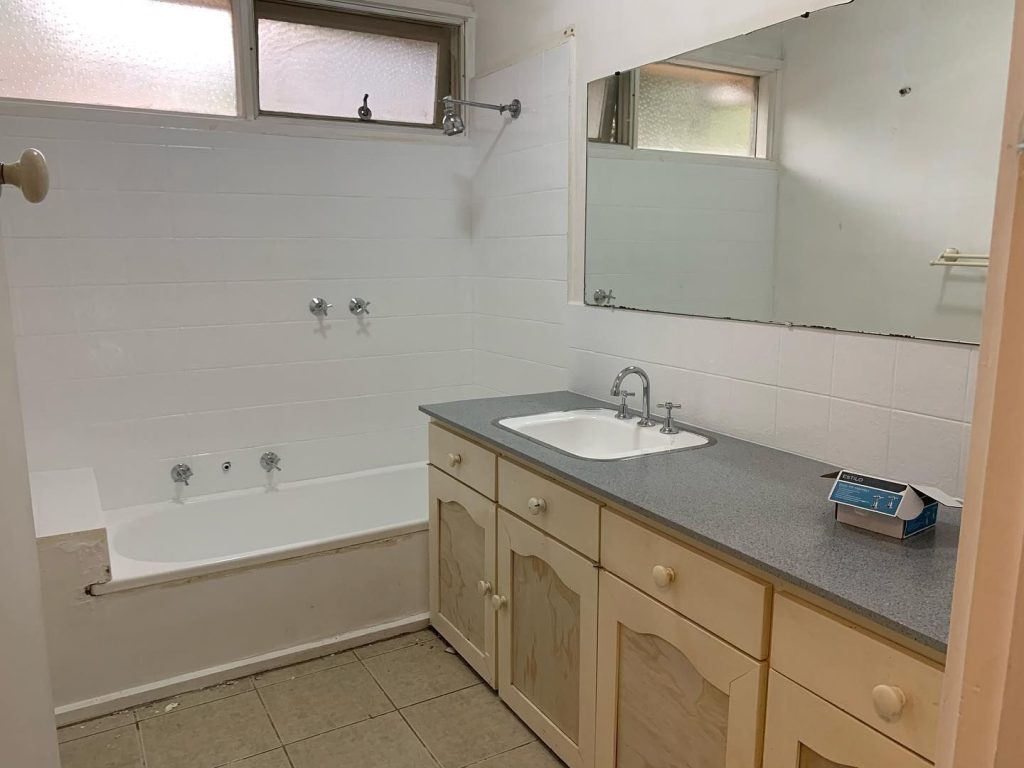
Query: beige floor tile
[
  {"x": 275, "y": 759},
  {"x": 313, "y": 704},
  {"x": 534, "y": 755},
  {"x": 98, "y": 725},
  {"x": 281, "y": 674},
  {"x": 420, "y": 672},
  {"x": 383, "y": 742},
  {"x": 194, "y": 698},
  {"x": 467, "y": 726},
  {"x": 208, "y": 735},
  {"x": 118, "y": 748},
  {"x": 396, "y": 643}
]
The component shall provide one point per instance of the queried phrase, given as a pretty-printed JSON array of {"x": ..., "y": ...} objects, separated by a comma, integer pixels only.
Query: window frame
[
  {"x": 447, "y": 35},
  {"x": 247, "y": 119}
]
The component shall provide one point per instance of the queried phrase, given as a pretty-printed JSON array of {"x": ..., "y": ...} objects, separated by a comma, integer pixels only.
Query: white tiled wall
[
  {"x": 161, "y": 293},
  {"x": 521, "y": 213},
  {"x": 896, "y": 407}
]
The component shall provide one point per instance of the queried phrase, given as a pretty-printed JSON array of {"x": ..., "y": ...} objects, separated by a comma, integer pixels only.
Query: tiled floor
[{"x": 407, "y": 702}]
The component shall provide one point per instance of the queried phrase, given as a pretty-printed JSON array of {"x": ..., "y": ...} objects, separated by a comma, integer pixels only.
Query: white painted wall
[
  {"x": 27, "y": 733},
  {"x": 878, "y": 404},
  {"x": 520, "y": 205},
  {"x": 161, "y": 293}
]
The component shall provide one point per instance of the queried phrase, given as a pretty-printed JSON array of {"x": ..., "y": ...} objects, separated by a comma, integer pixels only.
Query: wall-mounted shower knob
[
  {"x": 270, "y": 461},
  {"x": 318, "y": 307},
  {"x": 181, "y": 473},
  {"x": 358, "y": 306}
]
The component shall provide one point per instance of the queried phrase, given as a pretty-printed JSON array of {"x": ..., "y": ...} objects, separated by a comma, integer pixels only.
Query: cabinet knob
[
  {"x": 889, "y": 702},
  {"x": 537, "y": 505},
  {"x": 483, "y": 587},
  {"x": 662, "y": 575},
  {"x": 454, "y": 459},
  {"x": 498, "y": 602}
]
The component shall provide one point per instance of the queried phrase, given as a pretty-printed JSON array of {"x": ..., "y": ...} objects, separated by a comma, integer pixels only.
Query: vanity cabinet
[
  {"x": 463, "y": 526},
  {"x": 669, "y": 692},
  {"x": 546, "y": 605},
  {"x": 805, "y": 731},
  {"x": 622, "y": 646}
]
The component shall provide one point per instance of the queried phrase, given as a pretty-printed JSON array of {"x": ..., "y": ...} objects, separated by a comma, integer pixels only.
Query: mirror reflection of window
[{"x": 692, "y": 109}]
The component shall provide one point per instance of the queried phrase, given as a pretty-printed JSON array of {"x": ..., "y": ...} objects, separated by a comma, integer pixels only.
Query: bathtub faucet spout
[
  {"x": 181, "y": 473},
  {"x": 270, "y": 461}
]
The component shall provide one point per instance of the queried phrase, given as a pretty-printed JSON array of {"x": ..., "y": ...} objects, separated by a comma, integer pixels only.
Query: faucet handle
[
  {"x": 668, "y": 428},
  {"x": 623, "y": 410}
]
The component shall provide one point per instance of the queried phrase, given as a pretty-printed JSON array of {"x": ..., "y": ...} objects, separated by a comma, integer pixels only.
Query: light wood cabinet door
[
  {"x": 462, "y": 576},
  {"x": 805, "y": 731},
  {"x": 546, "y": 607},
  {"x": 669, "y": 693}
]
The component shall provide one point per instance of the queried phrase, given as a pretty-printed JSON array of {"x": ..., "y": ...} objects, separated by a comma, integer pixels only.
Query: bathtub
[
  {"x": 221, "y": 586},
  {"x": 154, "y": 543}
]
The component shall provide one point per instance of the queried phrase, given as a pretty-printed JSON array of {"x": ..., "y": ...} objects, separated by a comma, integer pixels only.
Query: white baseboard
[{"x": 161, "y": 689}]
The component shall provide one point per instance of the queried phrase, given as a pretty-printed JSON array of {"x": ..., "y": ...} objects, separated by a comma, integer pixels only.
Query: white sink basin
[{"x": 595, "y": 433}]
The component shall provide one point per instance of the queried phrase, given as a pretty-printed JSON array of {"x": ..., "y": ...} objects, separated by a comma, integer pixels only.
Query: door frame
[{"x": 983, "y": 694}]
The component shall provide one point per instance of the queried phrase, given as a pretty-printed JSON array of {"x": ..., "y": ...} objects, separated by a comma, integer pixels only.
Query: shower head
[{"x": 451, "y": 123}]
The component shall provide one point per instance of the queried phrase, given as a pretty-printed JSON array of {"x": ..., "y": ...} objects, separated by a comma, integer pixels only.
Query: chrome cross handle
[
  {"x": 270, "y": 461},
  {"x": 623, "y": 410},
  {"x": 669, "y": 428},
  {"x": 318, "y": 307},
  {"x": 358, "y": 306},
  {"x": 181, "y": 473}
]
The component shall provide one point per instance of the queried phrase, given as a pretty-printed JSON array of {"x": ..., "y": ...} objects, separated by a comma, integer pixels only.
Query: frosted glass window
[
  {"x": 322, "y": 62},
  {"x": 688, "y": 109},
  {"x": 149, "y": 54}
]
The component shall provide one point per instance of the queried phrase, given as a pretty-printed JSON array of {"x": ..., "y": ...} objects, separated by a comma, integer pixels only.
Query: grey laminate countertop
[{"x": 760, "y": 505}]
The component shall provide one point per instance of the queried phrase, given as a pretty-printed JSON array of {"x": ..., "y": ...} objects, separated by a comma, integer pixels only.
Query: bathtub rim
[{"x": 230, "y": 563}]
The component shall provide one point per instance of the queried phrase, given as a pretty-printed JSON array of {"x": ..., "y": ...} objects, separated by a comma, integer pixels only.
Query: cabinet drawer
[
  {"x": 558, "y": 511},
  {"x": 730, "y": 604},
  {"x": 463, "y": 460},
  {"x": 805, "y": 731},
  {"x": 884, "y": 686}
]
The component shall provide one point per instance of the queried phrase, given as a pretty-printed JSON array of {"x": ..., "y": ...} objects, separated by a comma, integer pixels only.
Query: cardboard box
[{"x": 886, "y": 506}]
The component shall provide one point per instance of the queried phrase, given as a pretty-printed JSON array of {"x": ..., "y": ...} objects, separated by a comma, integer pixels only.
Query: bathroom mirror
[{"x": 835, "y": 170}]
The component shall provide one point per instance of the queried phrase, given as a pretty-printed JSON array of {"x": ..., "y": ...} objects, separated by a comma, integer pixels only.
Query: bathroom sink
[{"x": 595, "y": 433}]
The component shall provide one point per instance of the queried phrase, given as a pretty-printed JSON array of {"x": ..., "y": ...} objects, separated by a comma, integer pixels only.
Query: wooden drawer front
[
  {"x": 565, "y": 515},
  {"x": 845, "y": 665},
  {"x": 725, "y": 601},
  {"x": 463, "y": 460},
  {"x": 805, "y": 731}
]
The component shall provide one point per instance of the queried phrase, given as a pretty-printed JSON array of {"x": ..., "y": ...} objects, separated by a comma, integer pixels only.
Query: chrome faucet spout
[{"x": 645, "y": 419}]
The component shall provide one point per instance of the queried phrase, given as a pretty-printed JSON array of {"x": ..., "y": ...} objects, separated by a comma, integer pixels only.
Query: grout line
[
  {"x": 270, "y": 717},
  {"x": 142, "y": 743}
]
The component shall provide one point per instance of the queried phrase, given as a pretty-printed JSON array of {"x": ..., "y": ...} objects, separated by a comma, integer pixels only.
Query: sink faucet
[{"x": 645, "y": 420}]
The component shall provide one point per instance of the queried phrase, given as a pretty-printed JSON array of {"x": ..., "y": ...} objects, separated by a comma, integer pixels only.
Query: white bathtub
[
  {"x": 226, "y": 585},
  {"x": 154, "y": 543}
]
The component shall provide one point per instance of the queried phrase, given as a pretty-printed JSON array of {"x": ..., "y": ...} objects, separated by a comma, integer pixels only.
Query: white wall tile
[
  {"x": 858, "y": 436},
  {"x": 162, "y": 291},
  {"x": 926, "y": 450},
  {"x": 863, "y": 369},
  {"x": 805, "y": 359},
  {"x": 802, "y": 423},
  {"x": 931, "y": 378}
]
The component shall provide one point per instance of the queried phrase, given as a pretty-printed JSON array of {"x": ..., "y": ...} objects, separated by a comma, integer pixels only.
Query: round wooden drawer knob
[
  {"x": 498, "y": 602},
  {"x": 889, "y": 702},
  {"x": 536, "y": 506},
  {"x": 483, "y": 587},
  {"x": 454, "y": 459},
  {"x": 662, "y": 575}
]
